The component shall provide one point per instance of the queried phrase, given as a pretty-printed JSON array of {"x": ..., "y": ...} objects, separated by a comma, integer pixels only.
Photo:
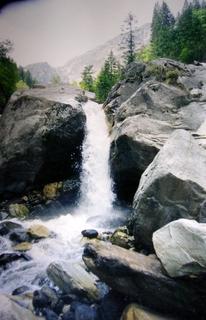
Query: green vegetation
[
  {"x": 109, "y": 75},
  {"x": 145, "y": 54},
  {"x": 183, "y": 38},
  {"x": 21, "y": 85},
  {"x": 11, "y": 77},
  {"x": 128, "y": 43},
  {"x": 87, "y": 82},
  {"x": 8, "y": 73},
  {"x": 26, "y": 77},
  {"x": 56, "y": 80}
]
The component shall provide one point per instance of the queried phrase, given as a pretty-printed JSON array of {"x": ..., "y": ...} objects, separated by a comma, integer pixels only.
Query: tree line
[
  {"x": 181, "y": 38},
  {"x": 11, "y": 77}
]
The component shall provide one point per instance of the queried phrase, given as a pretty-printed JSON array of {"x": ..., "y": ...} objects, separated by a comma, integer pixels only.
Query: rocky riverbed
[{"x": 69, "y": 248}]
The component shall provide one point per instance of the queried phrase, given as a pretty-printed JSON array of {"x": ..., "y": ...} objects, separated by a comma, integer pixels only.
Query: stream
[{"x": 95, "y": 209}]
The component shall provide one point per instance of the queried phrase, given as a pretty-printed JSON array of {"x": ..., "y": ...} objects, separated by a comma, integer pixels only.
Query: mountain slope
[
  {"x": 42, "y": 72},
  {"x": 73, "y": 68}
]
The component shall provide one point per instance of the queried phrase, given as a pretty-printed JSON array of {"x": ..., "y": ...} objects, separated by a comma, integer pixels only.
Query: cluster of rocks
[
  {"x": 52, "y": 199},
  {"x": 145, "y": 108},
  {"x": 157, "y": 120}
]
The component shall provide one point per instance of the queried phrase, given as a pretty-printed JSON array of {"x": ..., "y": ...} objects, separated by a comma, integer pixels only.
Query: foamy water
[{"x": 95, "y": 205}]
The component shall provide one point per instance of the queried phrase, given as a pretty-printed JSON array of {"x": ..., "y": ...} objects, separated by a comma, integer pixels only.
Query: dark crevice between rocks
[{"x": 126, "y": 184}]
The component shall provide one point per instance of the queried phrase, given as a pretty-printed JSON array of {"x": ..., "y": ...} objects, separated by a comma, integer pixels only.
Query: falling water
[
  {"x": 96, "y": 185},
  {"x": 95, "y": 205}
]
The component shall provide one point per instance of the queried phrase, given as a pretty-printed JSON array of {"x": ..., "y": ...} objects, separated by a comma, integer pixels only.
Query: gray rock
[
  {"x": 123, "y": 90},
  {"x": 142, "y": 278},
  {"x": 135, "y": 143},
  {"x": 7, "y": 257},
  {"x": 180, "y": 246},
  {"x": 10, "y": 310},
  {"x": 3, "y": 215},
  {"x": 172, "y": 187},
  {"x": 9, "y": 226},
  {"x": 152, "y": 101},
  {"x": 40, "y": 137},
  {"x": 155, "y": 99},
  {"x": 90, "y": 233},
  {"x": 73, "y": 279}
]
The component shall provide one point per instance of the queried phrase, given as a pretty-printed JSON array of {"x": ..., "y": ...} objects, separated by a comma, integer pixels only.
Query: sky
[{"x": 57, "y": 30}]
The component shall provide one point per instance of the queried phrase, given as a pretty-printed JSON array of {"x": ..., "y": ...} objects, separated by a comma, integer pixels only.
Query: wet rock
[
  {"x": 135, "y": 312},
  {"x": 18, "y": 210},
  {"x": 49, "y": 295},
  {"x": 50, "y": 315},
  {"x": 90, "y": 233},
  {"x": 40, "y": 300},
  {"x": 172, "y": 187},
  {"x": 142, "y": 278},
  {"x": 73, "y": 279},
  {"x": 3, "y": 215},
  {"x": 38, "y": 231},
  {"x": 180, "y": 246},
  {"x": 19, "y": 235},
  {"x": 51, "y": 191},
  {"x": 84, "y": 312},
  {"x": 6, "y": 258},
  {"x": 20, "y": 290},
  {"x": 121, "y": 238},
  {"x": 23, "y": 246},
  {"x": 47, "y": 298},
  {"x": 49, "y": 143},
  {"x": 7, "y": 226},
  {"x": 112, "y": 306},
  {"x": 11, "y": 310}
]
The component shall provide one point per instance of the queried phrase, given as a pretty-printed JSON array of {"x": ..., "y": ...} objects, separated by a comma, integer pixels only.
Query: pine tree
[
  {"x": 190, "y": 36},
  {"x": 128, "y": 43},
  {"x": 162, "y": 31},
  {"x": 87, "y": 82},
  {"x": 8, "y": 73},
  {"x": 108, "y": 76}
]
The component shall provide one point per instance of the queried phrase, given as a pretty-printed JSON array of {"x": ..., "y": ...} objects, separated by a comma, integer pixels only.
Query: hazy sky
[{"x": 57, "y": 30}]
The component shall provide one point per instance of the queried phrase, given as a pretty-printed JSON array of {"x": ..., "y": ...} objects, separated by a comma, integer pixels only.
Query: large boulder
[
  {"x": 73, "y": 279},
  {"x": 135, "y": 143},
  {"x": 172, "y": 187},
  {"x": 123, "y": 90},
  {"x": 40, "y": 137},
  {"x": 180, "y": 246},
  {"x": 143, "y": 279}
]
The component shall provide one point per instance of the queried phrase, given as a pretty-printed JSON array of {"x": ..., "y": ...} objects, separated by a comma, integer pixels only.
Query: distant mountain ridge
[
  {"x": 42, "y": 72},
  {"x": 72, "y": 70}
]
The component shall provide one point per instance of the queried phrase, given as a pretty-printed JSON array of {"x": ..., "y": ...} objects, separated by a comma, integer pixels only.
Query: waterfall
[
  {"x": 96, "y": 185},
  {"x": 94, "y": 210}
]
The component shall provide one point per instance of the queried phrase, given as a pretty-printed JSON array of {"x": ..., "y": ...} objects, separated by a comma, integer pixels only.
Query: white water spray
[
  {"x": 95, "y": 206},
  {"x": 96, "y": 185}
]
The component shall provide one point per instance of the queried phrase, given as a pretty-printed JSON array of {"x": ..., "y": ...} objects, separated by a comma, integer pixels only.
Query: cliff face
[{"x": 143, "y": 110}]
